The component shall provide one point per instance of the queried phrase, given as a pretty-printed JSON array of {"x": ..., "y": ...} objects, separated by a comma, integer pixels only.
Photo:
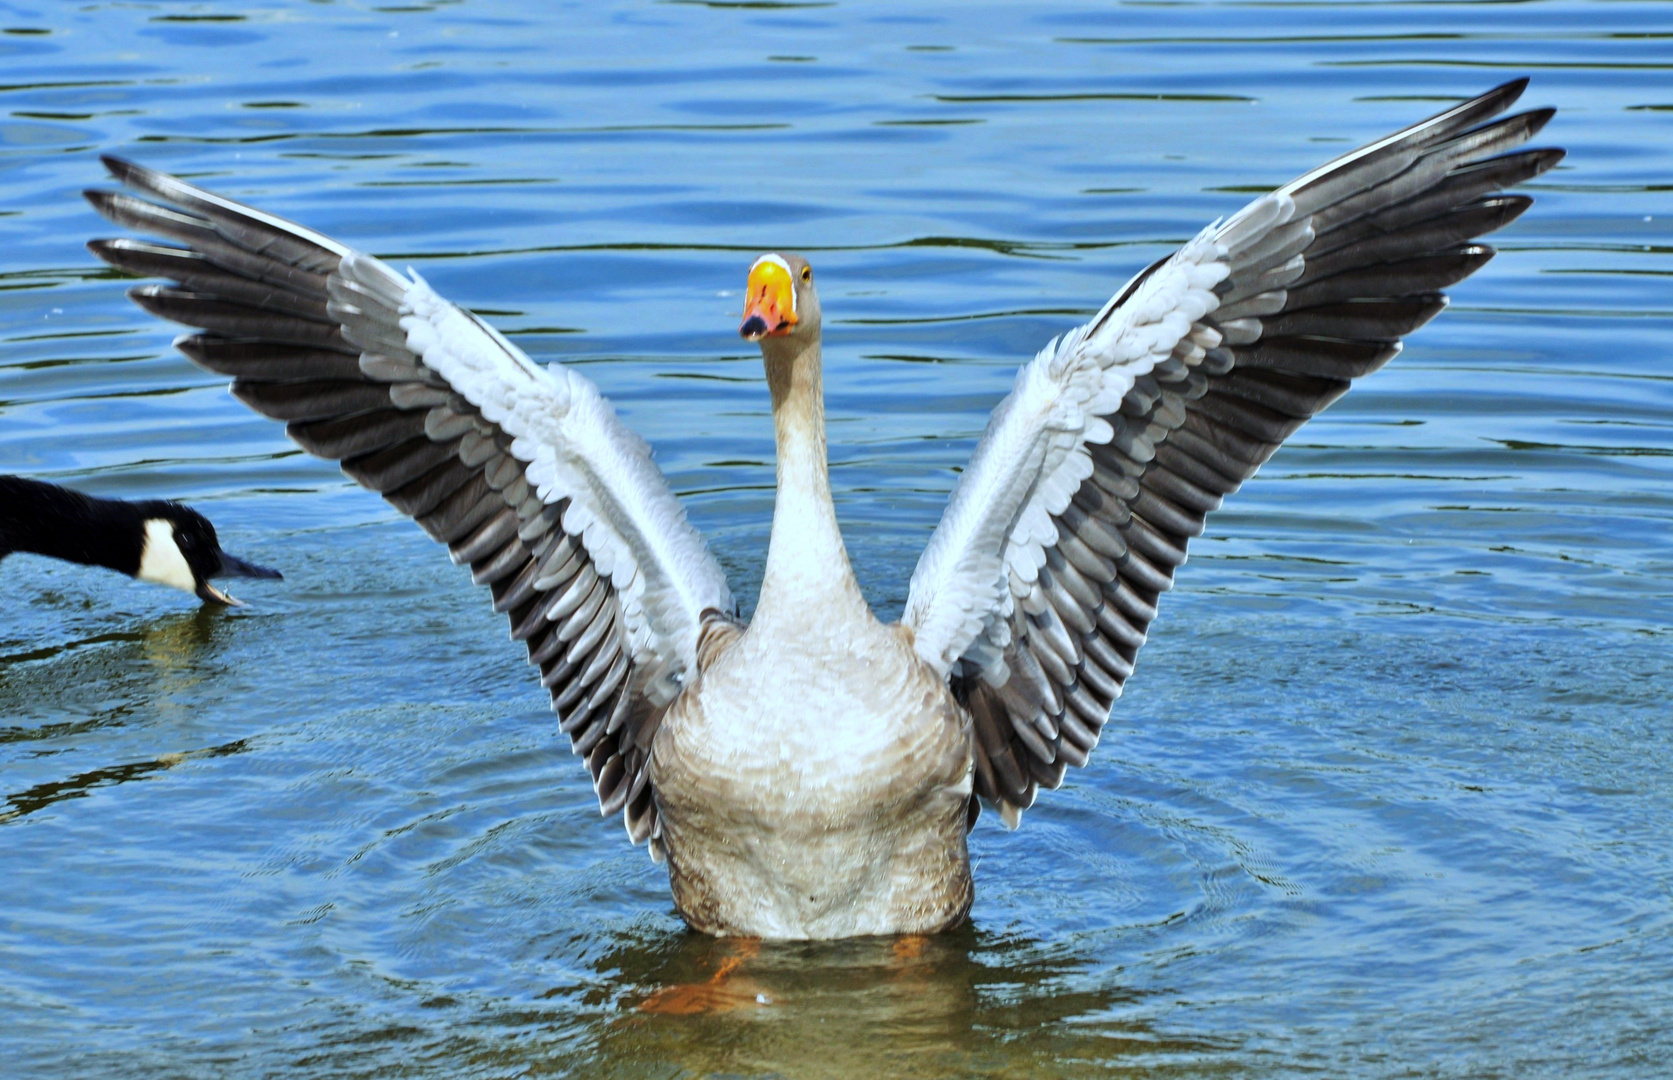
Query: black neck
[{"x": 64, "y": 524}]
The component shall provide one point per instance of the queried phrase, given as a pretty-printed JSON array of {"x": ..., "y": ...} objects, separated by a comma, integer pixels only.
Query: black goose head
[{"x": 179, "y": 548}]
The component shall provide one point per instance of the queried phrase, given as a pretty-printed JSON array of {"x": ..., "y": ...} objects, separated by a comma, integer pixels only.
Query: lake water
[{"x": 1390, "y": 795}]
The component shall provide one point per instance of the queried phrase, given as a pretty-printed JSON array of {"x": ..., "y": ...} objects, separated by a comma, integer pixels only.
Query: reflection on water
[
  {"x": 78, "y": 786},
  {"x": 159, "y": 662},
  {"x": 918, "y": 1007},
  {"x": 1389, "y": 794},
  {"x": 966, "y": 1003},
  {"x": 167, "y": 654}
]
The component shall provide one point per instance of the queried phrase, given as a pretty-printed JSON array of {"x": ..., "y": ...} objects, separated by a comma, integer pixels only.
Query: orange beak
[{"x": 769, "y": 300}]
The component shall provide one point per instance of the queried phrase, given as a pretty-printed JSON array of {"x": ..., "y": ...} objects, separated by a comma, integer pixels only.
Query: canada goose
[
  {"x": 152, "y": 540},
  {"x": 813, "y": 774}
]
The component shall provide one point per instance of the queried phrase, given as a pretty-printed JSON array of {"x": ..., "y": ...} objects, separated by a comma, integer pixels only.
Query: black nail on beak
[
  {"x": 211, "y": 595},
  {"x": 754, "y": 327}
]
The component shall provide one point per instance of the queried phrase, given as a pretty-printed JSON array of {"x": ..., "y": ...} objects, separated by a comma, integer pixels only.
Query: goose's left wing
[
  {"x": 1037, "y": 588},
  {"x": 524, "y": 472}
]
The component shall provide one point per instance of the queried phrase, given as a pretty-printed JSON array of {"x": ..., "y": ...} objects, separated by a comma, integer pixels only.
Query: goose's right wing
[{"x": 525, "y": 473}]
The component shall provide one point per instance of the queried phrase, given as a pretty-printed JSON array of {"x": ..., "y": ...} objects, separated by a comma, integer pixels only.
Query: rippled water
[{"x": 1390, "y": 794}]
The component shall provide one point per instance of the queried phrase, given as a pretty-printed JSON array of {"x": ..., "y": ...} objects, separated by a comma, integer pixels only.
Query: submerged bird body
[
  {"x": 813, "y": 775},
  {"x": 151, "y": 540}
]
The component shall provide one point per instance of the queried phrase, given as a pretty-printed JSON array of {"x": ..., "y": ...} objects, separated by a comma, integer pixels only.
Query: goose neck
[
  {"x": 807, "y": 564},
  {"x": 42, "y": 519}
]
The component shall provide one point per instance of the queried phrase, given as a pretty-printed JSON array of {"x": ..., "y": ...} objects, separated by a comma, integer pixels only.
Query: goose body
[
  {"x": 814, "y": 781},
  {"x": 813, "y": 774},
  {"x": 151, "y": 540},
  {"x": 833, "y": 811}
]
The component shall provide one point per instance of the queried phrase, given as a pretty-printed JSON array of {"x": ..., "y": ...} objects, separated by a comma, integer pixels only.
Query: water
[{"x": 1388, "y": 796}]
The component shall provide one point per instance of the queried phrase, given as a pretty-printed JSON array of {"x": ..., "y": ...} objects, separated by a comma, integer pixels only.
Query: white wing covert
[
  {"x": 1039, "y": 584},
  {"x": 524, "y": 472}
]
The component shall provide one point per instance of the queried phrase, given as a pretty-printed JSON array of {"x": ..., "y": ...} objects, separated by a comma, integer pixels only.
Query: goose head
[
  {"x": 780, "y": 302},
  {"x": 179, "y": 548}
]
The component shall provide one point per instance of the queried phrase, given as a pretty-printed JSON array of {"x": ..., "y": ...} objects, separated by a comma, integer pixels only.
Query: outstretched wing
[
  {"x": 524, "y": 472},
  {"x": 1038, "y": 585}
]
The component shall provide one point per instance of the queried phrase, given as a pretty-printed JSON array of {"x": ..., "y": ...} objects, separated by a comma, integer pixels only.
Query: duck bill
[
  {"x": 233, "y": 566},
  {"x": 770, "y": 300}
]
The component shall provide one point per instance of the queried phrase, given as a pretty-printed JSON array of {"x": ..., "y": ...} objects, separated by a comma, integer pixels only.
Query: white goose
[{"x": 813, "y": 775}]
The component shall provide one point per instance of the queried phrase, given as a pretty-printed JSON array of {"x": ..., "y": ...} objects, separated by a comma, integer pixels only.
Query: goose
[
  {"x": 814, "y": 773},
  {"x": 152, "y": 540}
]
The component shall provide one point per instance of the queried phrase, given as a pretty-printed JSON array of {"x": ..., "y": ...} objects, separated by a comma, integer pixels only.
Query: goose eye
[{"x": 807, "y": 273}]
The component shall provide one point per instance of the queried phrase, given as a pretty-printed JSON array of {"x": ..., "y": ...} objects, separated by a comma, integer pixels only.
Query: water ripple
[{"x": 1389, "y": 793}]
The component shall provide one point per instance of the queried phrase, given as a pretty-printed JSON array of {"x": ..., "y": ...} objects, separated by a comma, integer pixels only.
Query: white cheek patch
[
  {"x": 160, "y": 560},
  {"x": 782, "y": 265}
]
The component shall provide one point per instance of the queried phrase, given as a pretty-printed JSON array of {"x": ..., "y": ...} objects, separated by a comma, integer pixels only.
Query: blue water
[{"x": 1390, "y": 795}]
